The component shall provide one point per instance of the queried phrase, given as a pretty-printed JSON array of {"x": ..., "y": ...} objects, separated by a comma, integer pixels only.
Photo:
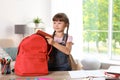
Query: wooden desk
[{"x": 56, "y": 75}]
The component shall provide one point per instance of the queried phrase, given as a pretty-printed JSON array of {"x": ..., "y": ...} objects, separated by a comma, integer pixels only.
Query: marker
[
  {"x": 28, "y": 79},
  {"x": 4, "y": 61},
  {"x": 3, "y": 65},
  {"x": 36, "y": 79},
  {"x": 45, "y": 79},
  {"x": 8, "y": 61}
]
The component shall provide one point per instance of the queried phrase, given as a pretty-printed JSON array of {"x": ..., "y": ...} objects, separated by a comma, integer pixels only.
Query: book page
[{"x": 86, "y": 73}]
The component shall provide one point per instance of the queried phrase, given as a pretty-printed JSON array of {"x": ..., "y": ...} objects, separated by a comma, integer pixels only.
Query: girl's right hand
[{"x": 50, "y": 40}]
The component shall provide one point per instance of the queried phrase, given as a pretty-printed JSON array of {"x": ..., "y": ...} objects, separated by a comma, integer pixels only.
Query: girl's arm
[{"x": 65, "y": 49}]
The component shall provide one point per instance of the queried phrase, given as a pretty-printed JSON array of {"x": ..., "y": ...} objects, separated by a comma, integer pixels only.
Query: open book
[{"x": 87, "y": 73}]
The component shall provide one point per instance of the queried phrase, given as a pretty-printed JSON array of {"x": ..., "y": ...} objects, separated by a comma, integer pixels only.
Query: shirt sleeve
[{"x": 70, "y": 39}]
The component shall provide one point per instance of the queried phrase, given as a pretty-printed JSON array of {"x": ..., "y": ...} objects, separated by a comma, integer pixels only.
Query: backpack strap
[
  {"x": 49, "y": 52},
  {"x": 64, "y": 40}
]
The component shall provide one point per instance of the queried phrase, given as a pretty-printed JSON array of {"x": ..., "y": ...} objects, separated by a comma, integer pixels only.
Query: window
[{"x": 101, "y": 36}]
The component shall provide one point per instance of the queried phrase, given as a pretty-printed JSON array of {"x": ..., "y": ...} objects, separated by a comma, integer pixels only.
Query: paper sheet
[{"x": 86, "y": 73}]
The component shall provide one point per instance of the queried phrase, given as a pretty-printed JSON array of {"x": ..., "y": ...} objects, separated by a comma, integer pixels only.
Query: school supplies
[
  {"x": 32, "y": 56},
  {"x": 36, "y": 78},
  {"x": 113, "y": 72},
  {"x": 5, "y": 66}
]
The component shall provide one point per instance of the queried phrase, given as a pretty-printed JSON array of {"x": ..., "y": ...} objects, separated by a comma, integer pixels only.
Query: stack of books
[{"x": 113, "y": 72}]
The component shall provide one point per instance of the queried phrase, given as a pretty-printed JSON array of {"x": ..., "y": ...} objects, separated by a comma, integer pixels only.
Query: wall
[
  {"x": 73, "y": 8},
  {"x": 21, "y": 12}
]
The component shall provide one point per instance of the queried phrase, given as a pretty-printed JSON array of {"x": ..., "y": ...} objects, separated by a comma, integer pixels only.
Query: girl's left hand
[{"x": 50, "y": 40}]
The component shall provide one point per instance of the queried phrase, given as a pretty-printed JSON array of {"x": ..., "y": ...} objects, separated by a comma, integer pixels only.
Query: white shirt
[{"x": 59, "y": 40}]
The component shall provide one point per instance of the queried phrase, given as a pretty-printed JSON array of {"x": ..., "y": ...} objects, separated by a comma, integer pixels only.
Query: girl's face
[{"x": 59, "y": 26}]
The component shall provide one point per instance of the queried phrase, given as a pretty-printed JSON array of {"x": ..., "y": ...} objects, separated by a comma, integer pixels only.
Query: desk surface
[{"x": 56, "y": 75}]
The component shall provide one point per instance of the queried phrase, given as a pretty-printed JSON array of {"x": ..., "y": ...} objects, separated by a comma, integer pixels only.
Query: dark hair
[{"x": 61, "y": 17}]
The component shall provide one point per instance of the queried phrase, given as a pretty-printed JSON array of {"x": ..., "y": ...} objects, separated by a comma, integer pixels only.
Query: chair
[{"x": 90, "y": 63}]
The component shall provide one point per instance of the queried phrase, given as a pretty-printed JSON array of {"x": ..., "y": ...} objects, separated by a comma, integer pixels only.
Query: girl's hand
[{"x": 50, "y": 40}]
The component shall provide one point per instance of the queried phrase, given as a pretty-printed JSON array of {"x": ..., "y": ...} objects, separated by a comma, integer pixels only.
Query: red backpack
[{"x": 32, "y": 57}]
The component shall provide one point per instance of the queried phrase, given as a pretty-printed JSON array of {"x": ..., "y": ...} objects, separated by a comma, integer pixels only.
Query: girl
[{"x": 61, "y": 42}]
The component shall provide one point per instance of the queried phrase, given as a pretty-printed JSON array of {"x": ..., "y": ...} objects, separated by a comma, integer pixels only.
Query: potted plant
[{"x": 37, "y": 21}]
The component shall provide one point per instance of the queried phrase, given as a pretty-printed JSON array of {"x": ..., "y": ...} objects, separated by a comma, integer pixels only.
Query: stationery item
[
  {"x": 45, "y": 79},
  {"x": 28, "y": 78},
  {"x": 5, "y": 66},
  {"x": 113, "y": 72},
  {"x": 87, "y": 73},
  {"x": 112, "y": 79},
  {"x": 99, "y": 78}
]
